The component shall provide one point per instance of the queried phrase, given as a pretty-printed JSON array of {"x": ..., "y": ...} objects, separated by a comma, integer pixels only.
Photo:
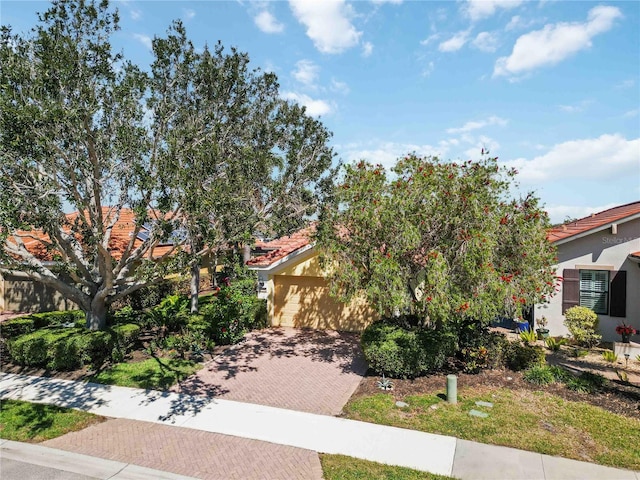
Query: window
[
  {"x": 594, "y": 290},
  {"x": 605, "y": 291}
]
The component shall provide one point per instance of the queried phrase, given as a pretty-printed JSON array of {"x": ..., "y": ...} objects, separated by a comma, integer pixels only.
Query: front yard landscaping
[
  {"x": 34, "y": 422},
  {"x": 552, "y": 420}
]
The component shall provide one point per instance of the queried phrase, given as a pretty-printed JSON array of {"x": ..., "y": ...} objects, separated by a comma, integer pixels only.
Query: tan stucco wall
[
  {"x": 601, "y": 249},
  {"x": 20, "y": 295}
]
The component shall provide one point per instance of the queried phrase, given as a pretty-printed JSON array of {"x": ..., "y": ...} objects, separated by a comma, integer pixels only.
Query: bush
[
  {"x": 149, "y": 296},
  {"x": 16, "y": 326},
  {"x": 554, "y": 343},
  {"x": 171, "y": 313},
  {"x": 126, "y": 315},
  {"x": 587, "y": 382},
  {"x": 522, "y": 357},
  {"x": 125, "y": 336},
  {"x": 539, "y": 374},
  {"x": 481, "y": 348},
  {"x": 49, "y": 319},
  {"x": 405, "y": 353},
  {"x": 29, "y": 350},
  {"x": 582, "y": 323}
]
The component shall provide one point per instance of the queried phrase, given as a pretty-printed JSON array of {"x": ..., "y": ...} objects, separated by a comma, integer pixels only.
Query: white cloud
[
  {"x": 577, "y": 108},
  {"x": 306, "y": 72},
  {"x": 188, "y": 14},
  {"x": 626, "y": 84},
  {"x": 340, "y": 87},
  {"x": 394, "y": 2},
  {"x": 266, "y": 22},
  {"x": 315, "y": 108},
  {"x": 144, "y": 39},
  {"x": 455, "y": 43},
  {"x": 367, "y": 49},
  {"x": 429, "y": 39},
  {"x": 479, "y": 9},
  {"x": 519, "y": 23},
  {"x": 328, "y": 24},
  {"x": 386, "y": 153},
  {"x": 593, "y": 158},
  {"x": 135, "y": 14},
  {"x": 631, "y": 113},
  {"x": 428, "y": 70},
  {"x": 555, "y": 42},
  {"x": 475, "y": 125},
  {"x": 486, "y": 42},
  {"x": 559, "y": 213}
]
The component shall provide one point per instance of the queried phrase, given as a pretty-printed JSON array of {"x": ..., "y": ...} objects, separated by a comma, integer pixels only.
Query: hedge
[{"x": 19, "y": 326}]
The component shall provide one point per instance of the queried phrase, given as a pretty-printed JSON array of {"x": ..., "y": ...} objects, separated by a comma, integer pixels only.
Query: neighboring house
[
  {"x": 297, "y": 293},
  {"x": 599, "y": 262},
  {"x": 21, "y": 295}
]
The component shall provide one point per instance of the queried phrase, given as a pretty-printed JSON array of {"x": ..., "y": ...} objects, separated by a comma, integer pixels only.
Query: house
[
  {"x": 598, "y": 258},
  {"x": 297, "y": 294},
  {"x": 24, "y": 295},
  {"x": 599, "y": 262}
]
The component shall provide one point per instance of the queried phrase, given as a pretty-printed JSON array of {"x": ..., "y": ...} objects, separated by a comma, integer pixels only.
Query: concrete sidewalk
[
  {"x": 24, "y": 460},
  {"x": 395, "y": 446}
]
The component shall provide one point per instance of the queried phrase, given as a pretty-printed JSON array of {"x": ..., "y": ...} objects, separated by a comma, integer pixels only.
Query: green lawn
[
  {"x": 536, "y": 421},
  {"x": 154, "y": 373},
  {"x": 339, "y": 467},
  {"x": 34, "y": 422}
]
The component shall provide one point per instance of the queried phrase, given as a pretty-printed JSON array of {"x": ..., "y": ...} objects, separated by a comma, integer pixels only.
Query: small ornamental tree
[{"x": 440, "y": 241}]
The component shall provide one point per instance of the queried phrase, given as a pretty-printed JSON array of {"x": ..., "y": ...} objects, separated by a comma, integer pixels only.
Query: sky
[{"x": 551, "y": 88}]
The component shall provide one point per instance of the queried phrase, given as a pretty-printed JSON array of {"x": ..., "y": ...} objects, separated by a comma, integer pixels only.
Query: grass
[
  {"x": 154, "y": 373},
  {"x": 34, "y": 422},
  {"x": 339, "y": 467},
  {"x": 539, "y": 421}
]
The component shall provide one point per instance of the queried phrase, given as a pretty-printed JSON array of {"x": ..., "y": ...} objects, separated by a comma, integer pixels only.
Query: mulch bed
[{"x": 616, "y": 397}]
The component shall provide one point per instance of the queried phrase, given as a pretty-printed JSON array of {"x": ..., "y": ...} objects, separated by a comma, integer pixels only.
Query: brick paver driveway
[
  {"x": 193, "y": 453},
  {"x": 306, "y": 370}
]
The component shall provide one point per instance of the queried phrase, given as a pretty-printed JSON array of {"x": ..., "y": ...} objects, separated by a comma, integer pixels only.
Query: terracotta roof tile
[
  {"x": 36, "y": 240},
  {"x": 283, "y": 246},
  {"x": 635, "y": 254},
  {"x": 593, "y": 221}
]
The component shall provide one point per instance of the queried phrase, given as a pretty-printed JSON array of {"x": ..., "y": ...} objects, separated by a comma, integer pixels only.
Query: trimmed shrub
[
  {"x": 519, "y": 356},
  {"x": 30, "y": 350},
  {"x": 402, "y": 353},
  {"x": 486, "y": 351},
  {"x": 16, "y": 326},
  {"x": 582, "y": 323},
  {"x": 49, "y": 319},
  {"x": 126, "y": 315},
  {"x": 125, "y": 336}
]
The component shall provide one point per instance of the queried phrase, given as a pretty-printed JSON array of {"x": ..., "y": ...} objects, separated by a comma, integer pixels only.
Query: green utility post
[{"x": 452, "y": 389}]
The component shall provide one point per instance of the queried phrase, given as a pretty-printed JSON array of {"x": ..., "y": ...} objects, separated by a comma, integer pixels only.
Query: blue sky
[{"x": 550, "y": 87}]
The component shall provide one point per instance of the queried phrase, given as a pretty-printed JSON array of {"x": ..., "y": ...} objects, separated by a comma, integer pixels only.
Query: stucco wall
[
  {"x": 20, "y": 295},
  {"x": 603, "y": 250}
]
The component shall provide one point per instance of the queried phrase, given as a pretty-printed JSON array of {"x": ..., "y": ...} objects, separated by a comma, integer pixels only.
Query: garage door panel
[{"x": 304, "y": 302}]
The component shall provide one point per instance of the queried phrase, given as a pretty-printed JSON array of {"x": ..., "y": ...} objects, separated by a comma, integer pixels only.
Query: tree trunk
[
  {"x": 97, "y": 315},
  {"x": 246, "y": 254},
  {"x": 194, "y": 287}
]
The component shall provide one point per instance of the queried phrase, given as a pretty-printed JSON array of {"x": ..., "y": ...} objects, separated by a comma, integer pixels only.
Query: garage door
[{"x": 304, "y": 302}]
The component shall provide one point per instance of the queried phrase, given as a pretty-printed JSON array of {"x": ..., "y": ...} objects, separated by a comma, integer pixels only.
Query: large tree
[
  {"x": 441, "y": 241},
  {"x": 84, "y": 130}
]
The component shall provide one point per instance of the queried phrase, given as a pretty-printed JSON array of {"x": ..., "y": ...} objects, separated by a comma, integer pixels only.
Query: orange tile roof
[
  {"x": 635, "y": 254},
  {"x": 593, "y": 221},
  {"x": 36, "y": 241},
  {"x": 283, "y": 246}
]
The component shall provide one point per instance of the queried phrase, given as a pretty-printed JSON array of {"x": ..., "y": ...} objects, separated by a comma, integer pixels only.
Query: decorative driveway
[{"x": 307, "y": 370}]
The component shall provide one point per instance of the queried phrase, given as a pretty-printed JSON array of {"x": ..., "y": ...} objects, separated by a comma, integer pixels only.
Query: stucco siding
[
  {"x": 20, "y": 295},
  {"x": 600, "y": 250}
]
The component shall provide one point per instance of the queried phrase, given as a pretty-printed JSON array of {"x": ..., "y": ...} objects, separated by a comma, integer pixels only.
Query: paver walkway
[
  {"x": 394, "y": 446},
  {"x": 305, "y": 370},
  {"x": 193, "y": 453}
]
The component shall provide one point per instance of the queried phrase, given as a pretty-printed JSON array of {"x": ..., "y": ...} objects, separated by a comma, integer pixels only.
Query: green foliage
[
  {"x": 439, "y": 240},
  {"x": 340, "y": 467},
  {"x": 64, "y": 348},
  {"x": 582, "y": 323},
  {"x": 479, "y": 347},
  {"x": 529, "y": 337},
  {"x": 587, "y": 382},
  {"x": 401, "y": 353},
  {"x": 554, "y": 343},
  {"x": 521, "y": 357},
  {"x": 579, "y": 352},
  {"x": 609, "y": 356},
  {"x": 172, "y": 313},
  {"x": 15, "y": 327},
  {"x": 539, "y": 374}
]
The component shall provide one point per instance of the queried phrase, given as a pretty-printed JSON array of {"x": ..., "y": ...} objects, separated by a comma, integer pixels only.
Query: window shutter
[
  {"x": 570, "y": 289},
  {"x": 618, "y": 291}
]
